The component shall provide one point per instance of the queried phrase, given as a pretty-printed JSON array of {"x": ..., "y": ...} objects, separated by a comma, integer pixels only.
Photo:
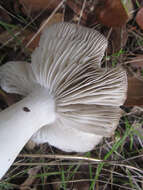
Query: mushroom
[{"x": 69, "y": 101}]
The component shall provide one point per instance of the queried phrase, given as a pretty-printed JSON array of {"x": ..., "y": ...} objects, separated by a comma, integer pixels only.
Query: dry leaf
[
  {"x": 55, "y": 19},
  {"x": 34, "y": 43},
  {"x": 137, "y": 61},
  {"x": 135, "y": 92},
  {"x": 118, "y": 39},
  {"x": 113, "y": 13},
  {"x": 37, "y": 5},
  {"x": 139, "y": 18}
]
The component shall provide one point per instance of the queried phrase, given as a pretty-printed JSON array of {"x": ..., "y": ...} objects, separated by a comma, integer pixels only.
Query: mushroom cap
[{"x": 87, "y": 97}]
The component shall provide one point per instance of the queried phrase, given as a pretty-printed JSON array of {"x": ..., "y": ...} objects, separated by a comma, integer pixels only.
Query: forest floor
[{"x": 117, "y": 162}]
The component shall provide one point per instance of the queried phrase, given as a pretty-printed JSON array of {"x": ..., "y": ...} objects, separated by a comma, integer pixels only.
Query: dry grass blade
[
  {"x": 45, "y": 23},
  {"x": 78, "y": 158}
]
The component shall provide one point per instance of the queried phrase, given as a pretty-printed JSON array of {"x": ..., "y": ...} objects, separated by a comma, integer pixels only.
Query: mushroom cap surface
[{"x": 88, "y": 98}]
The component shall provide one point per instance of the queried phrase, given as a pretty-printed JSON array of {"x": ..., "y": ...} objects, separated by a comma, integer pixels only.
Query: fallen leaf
[
  {"x": 18, "y": 36},
  {"x": 137, "y": 61},
  {"x": 114, "y": 13},
  {"x": 135, "y": 92},
  {"x": 37, "y": 5},
  {"x": 139, "y": 18},
  {"x": 34, "y": 43},
  {"x": 117, "y": 39}
]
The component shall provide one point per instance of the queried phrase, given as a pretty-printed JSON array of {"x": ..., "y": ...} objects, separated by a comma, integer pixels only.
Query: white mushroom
[{"x": 70, "y": 102}]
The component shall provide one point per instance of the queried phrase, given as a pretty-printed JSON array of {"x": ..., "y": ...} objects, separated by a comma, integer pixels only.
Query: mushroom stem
[{"x": 20, "y": 121}]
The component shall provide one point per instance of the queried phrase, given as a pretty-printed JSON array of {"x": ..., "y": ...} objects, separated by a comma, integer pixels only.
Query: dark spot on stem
[{"x": 26, "y": 109}]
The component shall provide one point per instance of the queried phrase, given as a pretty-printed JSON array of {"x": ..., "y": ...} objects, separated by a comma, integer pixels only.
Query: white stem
[{"x": 20, "y": 121}]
